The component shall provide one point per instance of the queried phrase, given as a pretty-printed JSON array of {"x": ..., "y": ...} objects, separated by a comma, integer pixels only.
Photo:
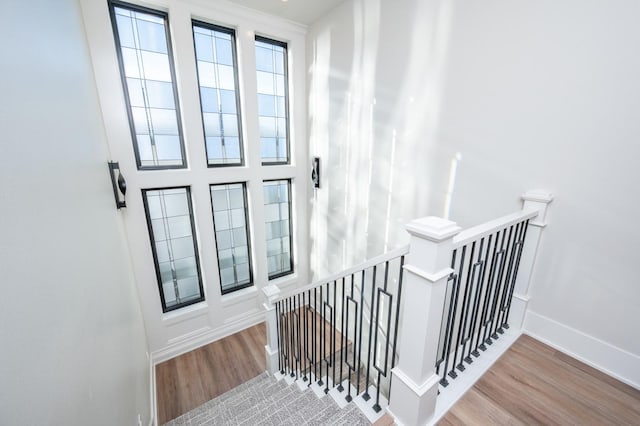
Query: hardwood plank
[
  {"x": 189, "y": 380},
  {"x": 533, "y": 383}
]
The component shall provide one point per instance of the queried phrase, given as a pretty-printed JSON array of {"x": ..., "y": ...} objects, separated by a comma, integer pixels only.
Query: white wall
[
  {"x": 488, "y": 100},
  {"x": 71, "y": 333}
]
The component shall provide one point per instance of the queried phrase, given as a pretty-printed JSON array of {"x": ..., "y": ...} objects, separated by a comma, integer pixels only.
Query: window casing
[{"x": 147, "y": 70}]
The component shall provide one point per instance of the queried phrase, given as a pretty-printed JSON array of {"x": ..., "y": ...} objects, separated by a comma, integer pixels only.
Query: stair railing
[{"x": 323, "y": 336}]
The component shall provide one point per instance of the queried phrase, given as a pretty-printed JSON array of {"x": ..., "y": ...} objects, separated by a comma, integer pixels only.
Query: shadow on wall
[{"x": 374, "y": 102}]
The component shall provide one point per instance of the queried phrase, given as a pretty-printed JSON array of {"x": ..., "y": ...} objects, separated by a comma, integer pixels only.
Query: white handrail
[
  {"x": 476, "y": 232},
  {"x": 400, "y": 251}
]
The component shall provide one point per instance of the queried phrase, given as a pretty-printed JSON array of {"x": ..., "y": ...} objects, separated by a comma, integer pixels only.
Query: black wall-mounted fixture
[
  {"x": 118, "y": 183},
  {"x": 315, "y": 172}
]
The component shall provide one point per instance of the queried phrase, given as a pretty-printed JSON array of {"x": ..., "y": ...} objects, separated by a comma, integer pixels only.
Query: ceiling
[{"x": 301, "y": 11}]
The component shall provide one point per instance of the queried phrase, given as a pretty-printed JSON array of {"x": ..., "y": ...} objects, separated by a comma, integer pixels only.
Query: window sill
[
  {"x": 187, "y": 313},
  {"x": 239, "y": 296}
]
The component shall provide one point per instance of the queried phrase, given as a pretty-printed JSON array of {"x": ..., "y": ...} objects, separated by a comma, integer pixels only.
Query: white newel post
[
  {"x": 414, "y": 387},
  {"x": 532, "y": 200},
  {"x": 271, "y": 293}
]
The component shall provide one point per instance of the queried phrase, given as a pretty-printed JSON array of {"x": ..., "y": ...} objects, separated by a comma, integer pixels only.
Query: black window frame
[
  {"x": 156, "y": 264},
  {"x": 248, "y": 229},
  {"x": 291, "y": 263},
  {"x": 234, "y": 54},
  {"x": 114, "y": 25},
  {"x": 284, "y": 45}
]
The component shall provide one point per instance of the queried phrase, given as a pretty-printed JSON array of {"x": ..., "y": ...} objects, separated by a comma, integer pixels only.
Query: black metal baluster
[
  {"x": 507, "y": 281},
  {"x": 278, "y": 335},
  {"x": 496, "y": 297},
  {"x": 314, "y": 345},
  {"x": 334, "y": 325},
  {"x": 305, "y": 347},
  {"x": 454, "y": 342},
  {"x": 376, "y": 407},
  {"x": 504, "y": 281},
  {"x": 366, "y": 395},
  {"x": 522, "y": 240},
  {"x": 453, "y": 301},
  {"x": 484, "y": 285},
  {"x": 464, "y": 312},
  {"x": 360, "y": 336},
  {"x": 296, "y": 324},
  {"x": 397, "y": 321},
  {"x": 335, "y": 349},
  {"x": 328, "y": 359},
  {"x": 458, "y": 340},
  {"x": 351, "y": 367},
  {"x": 290, "y": 339},
  {"x": 490, "y": 290},
  {"x": 495, "y": 266},
  {"x": 322, "y": 342},
  {"x": 477, "y": 276}
]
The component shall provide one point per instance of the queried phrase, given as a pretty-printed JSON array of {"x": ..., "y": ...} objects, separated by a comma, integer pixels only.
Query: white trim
[
  {"x": 603, "y": 356},
  {"x": 432, "y": 278},
  {"x": 206, "y": 337},
  {"x": 153, "y": 414},
  {"x": 476, "y": 232},
  {"x": 418, "y": 389},
  {"x": 473, "y": 372}
]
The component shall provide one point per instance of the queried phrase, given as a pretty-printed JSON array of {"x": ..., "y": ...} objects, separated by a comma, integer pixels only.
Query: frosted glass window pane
[
  {"x": 189, "y": 287},
  {"x": 125, "y": 31},
  {"x": 164, "y": 121},
  {"x": 156, "y": 66},
  {"x": 211, "y": 124},
  {"x": 207, "y": 74},
  {"x": 225, "y": 75},
  {"x": 222, "y": 220},
  {"x": 277, "y": 210},
  {"x": 228, "y": 101},
  {"x": 160, "y": 94},
  {"x": 280, "y": 85},
  {"x": 166, "y": 273},
  {"x": 266, "y": 85},
  {"x": 182, "y": 247},
  {"x": 179, "y": 226},
  {"x": 151, "y": 36},
  {"x": 230, "y": 124},
  {"x": 268, "y": 148},
  {"x": 230, "y": 209},
  {"x": 186, "y": 267},
  {"x": 131, "y": 66},
  {"x": 267, "y": 105},
  {"x": 214, "y": 149},
  {"x": 204, "y": 47},
  {"x": 169, "y": 294},
  {"x": 223, "y": 238},
  {"x": 136, "y": 97},
  {"x": 267, "y": 127},
  {"x": 142, "y": 40},
  {"x": 175, "y": 205},
  {"x": 168, "y": 148},
  {"x": 159, "y": 232},
  {"x": 279, "y": 62},
  {"x": 215, "y": 52},
  {"x": 223, "y": 52},
  {"x": 264, "y": 59},
  {"x": 209, "y": 99}
]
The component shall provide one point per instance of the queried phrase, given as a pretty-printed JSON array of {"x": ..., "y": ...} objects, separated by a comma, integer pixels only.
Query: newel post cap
[
  {"x": 433, "y": 228},
  {"x": 271, "y": 293},
  {"x": 538, "y": 195}
]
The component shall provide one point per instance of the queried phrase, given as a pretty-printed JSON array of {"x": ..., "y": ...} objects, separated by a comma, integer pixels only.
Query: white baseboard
[
  {"x": 206, "y": 337},
  {"x": 601, "y": 355},
  {"x": 465, "y": 381}
]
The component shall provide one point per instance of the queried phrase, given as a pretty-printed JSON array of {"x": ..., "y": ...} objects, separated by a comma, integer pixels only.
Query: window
[
  {"x": 277, "y": 212},
  {"x": 231, "y": 226},
  {"x": 273, "y": 100},
  {"x": 175, "y": 253},
  {"x": 215, "y": 49},
  {"x": 147, "y": 71}
]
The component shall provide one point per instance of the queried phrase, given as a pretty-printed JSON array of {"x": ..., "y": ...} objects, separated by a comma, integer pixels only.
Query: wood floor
[
  {"x": 530, "y": 384},
  {"x": 533, "y": 383},
  {"x": 189, "y": 380}
]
